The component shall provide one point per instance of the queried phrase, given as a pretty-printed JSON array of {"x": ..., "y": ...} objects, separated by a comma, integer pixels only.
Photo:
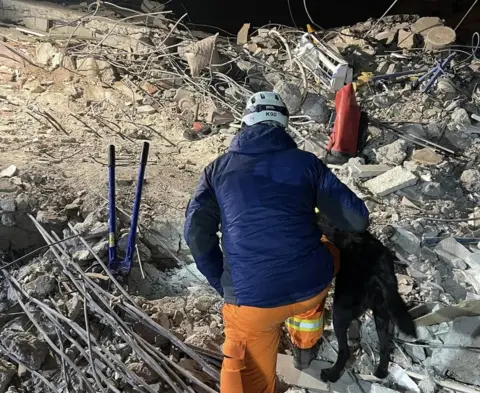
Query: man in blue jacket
[{"x": 274, "y": 266}]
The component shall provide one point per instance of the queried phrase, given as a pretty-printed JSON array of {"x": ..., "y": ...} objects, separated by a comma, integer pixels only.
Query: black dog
[{"x": 366, "y": 280}]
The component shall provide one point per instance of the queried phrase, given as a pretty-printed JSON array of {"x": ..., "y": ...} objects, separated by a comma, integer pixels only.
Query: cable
[
  {"x": 291, "y": 13},
  {"x": 465, "y": 16},
  {"x": 378, "y": 21},
  {"x": 309, "y": 17}
]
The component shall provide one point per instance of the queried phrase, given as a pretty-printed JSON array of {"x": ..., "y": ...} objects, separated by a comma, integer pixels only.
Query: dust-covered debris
[{"x": 417, "y": 173}]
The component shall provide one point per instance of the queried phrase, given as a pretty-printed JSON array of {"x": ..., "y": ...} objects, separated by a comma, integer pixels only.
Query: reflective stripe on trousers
[{"x": 305, "y": 325}]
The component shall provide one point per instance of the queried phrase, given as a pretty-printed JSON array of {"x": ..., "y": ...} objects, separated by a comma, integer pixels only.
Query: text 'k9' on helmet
[{"x": 265, "y": 106}]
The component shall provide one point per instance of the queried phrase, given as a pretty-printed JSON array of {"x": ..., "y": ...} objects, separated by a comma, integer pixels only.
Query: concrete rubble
[{"x": 62, "y": 100}]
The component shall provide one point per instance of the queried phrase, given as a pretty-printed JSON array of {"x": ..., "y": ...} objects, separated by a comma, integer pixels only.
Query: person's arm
[
  {"x": 338, "y": 203},
  {"x": 200, "y": 232}
]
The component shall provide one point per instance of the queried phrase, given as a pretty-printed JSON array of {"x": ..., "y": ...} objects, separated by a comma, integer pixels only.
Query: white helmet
[{"x": 265, "y": 106}]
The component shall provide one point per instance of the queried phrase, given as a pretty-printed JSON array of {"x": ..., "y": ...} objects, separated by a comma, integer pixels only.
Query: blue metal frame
[{"x": 435, "y": 72}]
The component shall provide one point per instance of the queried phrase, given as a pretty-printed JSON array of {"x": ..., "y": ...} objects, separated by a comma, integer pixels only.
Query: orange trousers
[{"x": 252, "y": 336}]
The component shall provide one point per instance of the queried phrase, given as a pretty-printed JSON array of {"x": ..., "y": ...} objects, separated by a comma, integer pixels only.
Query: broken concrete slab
[
  {"x": 315, "y": 106},
  {"x": 417, "y": 353},
  {"x": 406, "y": 240},
  {"x": 395, "y": 152},
  {"x": 401, "y": 378},
  {"x": 460, "y": 117},
  {"x": 461, "y": 365},
  {"x": 439, "y": 313},
  {"x": 473, "y": 260},
  {"x": 11, "y": 171},
  {"x": 242, "y": 36},
  {"x": 366, "y": 171},
  {"x": 427, "y": 156},
  {"x": 406, "y": 39},
  {"x": 472, "y": 277},
  {"x": 449, "y": 250},
  {"x": 391, "y": 181},
  {"x": 455, "y": 289},
  {"x": 387, "y": 37},
  {"x": 291, "y": 95}
]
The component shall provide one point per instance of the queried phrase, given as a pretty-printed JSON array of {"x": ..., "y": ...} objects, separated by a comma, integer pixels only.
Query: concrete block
[
  {"x": 473, "y": 260},
  {"x": 41, "y": 24},
  {"x": 449, "y": 249},
  {"x": 401, "y": 378},
  {"x": 365, "y": 171},
  {"x": 416, "y": 353},
  {"x": 406, "y": 39},
  {"x": 461, "y": 365},
  {"x": 406, "y": 241},
  {"x": 391, "y": 181}
]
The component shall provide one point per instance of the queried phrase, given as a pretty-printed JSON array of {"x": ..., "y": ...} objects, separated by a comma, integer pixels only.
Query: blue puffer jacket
[{"x": 261, "y": 195}]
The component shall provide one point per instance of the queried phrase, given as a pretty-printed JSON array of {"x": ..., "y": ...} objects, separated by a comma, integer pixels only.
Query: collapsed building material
[
  {"x": 460, "y": 363},
  {"x": 366, "y": 171},
  {"x": 391, "y": 181},
  {"x": 119, "y": 91}
]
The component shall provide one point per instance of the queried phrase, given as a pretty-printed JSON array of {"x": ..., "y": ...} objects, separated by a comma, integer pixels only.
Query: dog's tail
[
  {"x": 397, "y": 308},
  {"x": 399, "y": 313}
]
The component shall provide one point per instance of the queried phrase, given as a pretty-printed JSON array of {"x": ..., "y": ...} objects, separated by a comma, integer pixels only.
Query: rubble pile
[
  {"x": 110, "y": 75},
  {"x": 66, "y": 328}
]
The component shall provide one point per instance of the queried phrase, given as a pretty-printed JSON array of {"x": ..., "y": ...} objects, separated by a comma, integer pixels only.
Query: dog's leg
[
  {"x": 341, "y": 321},
  {"x": 382, "y": 322}
]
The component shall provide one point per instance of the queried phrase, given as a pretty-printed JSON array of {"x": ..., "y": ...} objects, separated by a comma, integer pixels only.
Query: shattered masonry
[{"x": 67, "y": 91}]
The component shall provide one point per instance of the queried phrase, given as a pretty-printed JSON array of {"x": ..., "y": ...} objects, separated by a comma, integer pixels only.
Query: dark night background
[{"x": 230, "y": 15}]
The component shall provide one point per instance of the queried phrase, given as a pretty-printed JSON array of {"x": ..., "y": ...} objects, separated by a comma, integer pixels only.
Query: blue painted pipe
[
  {"x": 437, "y": 72},
  {"x": 127, "y": 263},
  {"x": 112, "y": 241}
]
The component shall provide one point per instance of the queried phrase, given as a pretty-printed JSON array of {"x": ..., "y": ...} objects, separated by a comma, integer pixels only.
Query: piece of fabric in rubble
[
  {"x": 263, "y": 193},
  {"x": 343, "y": 141}
]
